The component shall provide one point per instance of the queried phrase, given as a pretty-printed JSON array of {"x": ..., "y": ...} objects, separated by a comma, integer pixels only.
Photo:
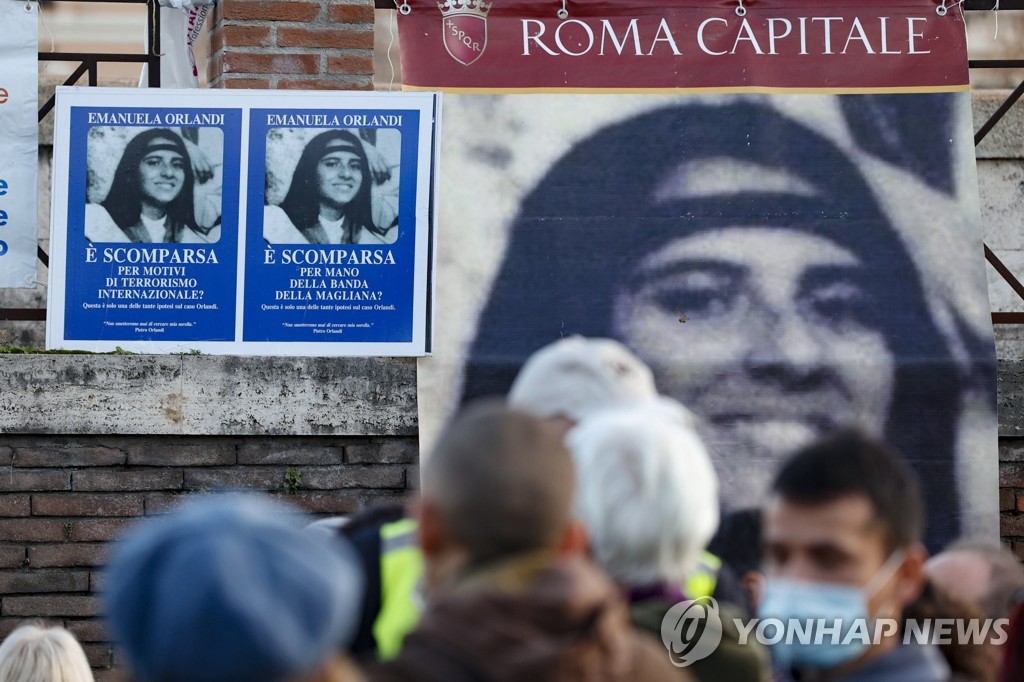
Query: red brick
[
  {"x": 358, "y": 13},
  {"x": 179, "y": 455},
  {"x": 257, "y": 452},
  {"x": 324, "y": 84},
  {"x": 1011, "y": 525},
  {"x": 67, "y": 554},
  {"x": 35, "y": 479},
  {"x": 12, "y": 556},
  {"x": 99, "y": 530},
  {"x": 96, "y": 581},
  {"x": 388, "y": 452},
  {"x": 352, "y": 64},
  {"x": 69, "y": 457},
  {"x": 1020, "y": 500},
  {"x": 100, "y": 655},
  {"x": 215, "y": 68},
  {"x": 48, "y": 607},
  {"x": 15, "y": 505},
  {"x": 1007, "y": 499},
  {"x": 244, "y": 35},
  {"x": 239, "y": 62},
  {"x": 126, "y": 481},
  {"x": 32, "y": 530},
  {"x": 269, "y": 11},
  {"x": 335, "y": 38},
  {"x": 246, "y": 83},
  {"x": 334, "y": 478},
  {"x": 88, "y": 630},
  {"x": 76, "y": 504},
  {"x": 28, "y": 582}
]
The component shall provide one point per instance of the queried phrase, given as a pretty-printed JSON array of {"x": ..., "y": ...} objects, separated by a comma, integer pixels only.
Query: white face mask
[{"x": 807, "y": 608}]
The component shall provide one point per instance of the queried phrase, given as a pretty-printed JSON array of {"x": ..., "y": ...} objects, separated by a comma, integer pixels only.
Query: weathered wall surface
[{"x": 206, "y": 395}]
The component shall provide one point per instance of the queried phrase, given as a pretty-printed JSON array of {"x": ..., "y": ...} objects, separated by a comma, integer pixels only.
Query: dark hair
[
  {"x": 302, "y": 202},
  {"x": 738, "y": 542},
  {"x": 575, "y": 243},
  {"x": 849, "y": 463},
  {"x": 124, "y": 200}
]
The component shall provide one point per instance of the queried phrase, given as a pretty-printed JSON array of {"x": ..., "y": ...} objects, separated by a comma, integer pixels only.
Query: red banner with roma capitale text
[{"x": 638, "y": 46}]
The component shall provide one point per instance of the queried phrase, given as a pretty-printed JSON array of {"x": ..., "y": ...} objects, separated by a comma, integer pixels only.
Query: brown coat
[{"x": 529, "y": 620}]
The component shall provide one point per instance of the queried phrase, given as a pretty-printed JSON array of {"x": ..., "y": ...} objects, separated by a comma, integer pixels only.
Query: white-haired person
[
  {"x": 565, "y": 381},
  {"x": 648, "y": 496},
  {"x": 37, "y": 653}
]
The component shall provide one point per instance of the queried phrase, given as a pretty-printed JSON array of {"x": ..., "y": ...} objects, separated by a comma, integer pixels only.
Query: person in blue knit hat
[{"x": 230, "y": 589}]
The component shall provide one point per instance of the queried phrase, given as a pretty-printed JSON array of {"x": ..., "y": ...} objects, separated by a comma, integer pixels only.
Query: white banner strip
[{"x": 19, "y": 143}]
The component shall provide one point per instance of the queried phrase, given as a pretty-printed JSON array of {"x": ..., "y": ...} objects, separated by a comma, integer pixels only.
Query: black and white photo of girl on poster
[
  {"x": 781, "y": 275},
  {"x": 335, "y": 186},
  {"x": 154, "y": 185}
]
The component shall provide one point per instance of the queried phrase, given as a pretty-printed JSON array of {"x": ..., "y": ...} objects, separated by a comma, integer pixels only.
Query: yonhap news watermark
[{"x": 692, "y": 630}]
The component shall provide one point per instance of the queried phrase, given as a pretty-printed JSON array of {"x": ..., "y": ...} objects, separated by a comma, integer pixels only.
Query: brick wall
[
  {"x": 90, "y": 444},
  {"x": 1011, "y": 453},
  {"x": 1011, "y": 493},
  {"x": 292, "y": 44},
  {"x": 62, "y": 499}
]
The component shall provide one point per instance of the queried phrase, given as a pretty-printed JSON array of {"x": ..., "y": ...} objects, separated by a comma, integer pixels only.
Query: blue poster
[
  {"x": 152, "y": 224},
  {"x": 243, "y": 222},
  {"x": 330, "y": 237}
]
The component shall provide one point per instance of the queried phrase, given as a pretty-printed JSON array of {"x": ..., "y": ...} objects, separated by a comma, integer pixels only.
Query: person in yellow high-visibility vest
[{"x": 401, "y": 585}]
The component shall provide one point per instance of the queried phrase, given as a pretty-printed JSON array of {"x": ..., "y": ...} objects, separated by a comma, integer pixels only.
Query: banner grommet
[{"x": 741, "y": 11}]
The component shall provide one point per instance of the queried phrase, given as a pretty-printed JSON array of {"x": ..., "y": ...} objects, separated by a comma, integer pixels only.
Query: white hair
[
  {"x": 575, "y": 376},
  {"x": 33, "y": 653},
  {"x": 645, "y": 490}
]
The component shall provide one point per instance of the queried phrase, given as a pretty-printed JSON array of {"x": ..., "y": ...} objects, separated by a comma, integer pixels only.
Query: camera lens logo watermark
[{"x": 691, "y": 631}]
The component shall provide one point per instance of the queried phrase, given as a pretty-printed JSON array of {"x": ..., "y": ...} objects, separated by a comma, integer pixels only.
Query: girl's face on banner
[
  {"x": 162, "y": 175},
  {"x": 339, "y": 176},
  {"x": 765, "y": 332}
]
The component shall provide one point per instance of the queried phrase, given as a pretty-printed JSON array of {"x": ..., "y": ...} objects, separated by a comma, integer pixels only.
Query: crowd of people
[{"x": 572, "y": 531}]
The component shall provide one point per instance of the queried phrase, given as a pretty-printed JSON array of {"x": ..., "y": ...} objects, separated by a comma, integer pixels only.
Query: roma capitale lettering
[{"x": 767, "y": 36}]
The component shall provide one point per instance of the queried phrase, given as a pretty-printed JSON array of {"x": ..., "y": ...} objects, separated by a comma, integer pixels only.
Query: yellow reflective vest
[{"x": 401, "y": 577}]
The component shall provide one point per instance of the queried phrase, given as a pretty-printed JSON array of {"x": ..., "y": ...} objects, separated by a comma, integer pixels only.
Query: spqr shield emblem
[{"x": 465, "y": 36}]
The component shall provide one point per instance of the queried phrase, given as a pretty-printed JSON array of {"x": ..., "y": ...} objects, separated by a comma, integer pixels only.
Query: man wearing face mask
[{"x": 842, "y": 538}]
